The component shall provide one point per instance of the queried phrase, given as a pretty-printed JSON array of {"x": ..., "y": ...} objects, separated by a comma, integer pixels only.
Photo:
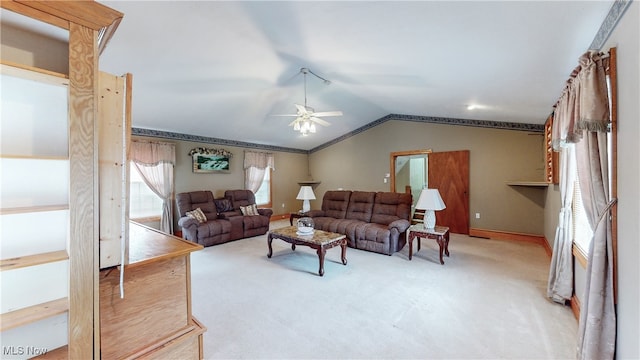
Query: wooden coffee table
[{"x": 319, "y": 240}]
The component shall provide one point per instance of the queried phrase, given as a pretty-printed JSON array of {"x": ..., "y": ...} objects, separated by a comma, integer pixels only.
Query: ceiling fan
[{"x": 306, "y": 116}]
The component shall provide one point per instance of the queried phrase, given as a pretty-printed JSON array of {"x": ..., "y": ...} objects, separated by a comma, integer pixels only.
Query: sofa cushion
[
  {"x": 213, "y": 228},
  {"x": 360, "y": 206},
  {"x": 255, "y": 222},
  {"x": 335, "y": 203},
  {"x": 389, "y": 207},
  {"x": 375, "y": 237},
  {"x": 198, "y": 215},
  {"x": 223, "y": 205},
  {"x": 190, "y": 201},
  {"x": 240, "y": 198}
]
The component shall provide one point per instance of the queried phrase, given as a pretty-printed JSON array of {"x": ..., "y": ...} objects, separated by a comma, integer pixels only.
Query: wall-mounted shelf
[
  {"x": 528, "y": 183},
  {"x": 309, "y": 183}
]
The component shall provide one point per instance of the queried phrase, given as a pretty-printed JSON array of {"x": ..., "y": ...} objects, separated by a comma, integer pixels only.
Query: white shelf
[
  {"x": 309, "y": 183},
  {"x": 528, "y": 183}
]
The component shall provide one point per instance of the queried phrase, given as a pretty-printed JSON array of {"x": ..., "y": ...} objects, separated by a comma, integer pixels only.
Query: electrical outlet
[
  {"x": 282, "y": 204},
  {"x": 477, "y": 215}
]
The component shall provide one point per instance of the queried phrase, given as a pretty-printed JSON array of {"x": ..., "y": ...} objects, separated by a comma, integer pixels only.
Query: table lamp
[
  {"x": 305, "y": 194},
  {"x": 429, "y": 201}
]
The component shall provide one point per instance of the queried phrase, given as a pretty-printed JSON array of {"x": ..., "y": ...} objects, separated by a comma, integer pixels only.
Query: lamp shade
[
  {"x": 430, "y": 200},
  {"x": 306, "y": 193}
]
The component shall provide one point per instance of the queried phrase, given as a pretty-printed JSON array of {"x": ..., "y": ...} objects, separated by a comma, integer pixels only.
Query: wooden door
[{"x": 449, "y": 173}]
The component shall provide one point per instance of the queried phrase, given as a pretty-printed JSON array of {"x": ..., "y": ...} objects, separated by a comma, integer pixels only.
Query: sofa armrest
[
  {"x": 189, "y": 228},
  {"x": 315, "y": 213},
  {"x": 229, "y": 214},
  {"x": 401, "y": 225},
  {"x": 187, "y": 222},
  {"x": 265, "y": 212}
]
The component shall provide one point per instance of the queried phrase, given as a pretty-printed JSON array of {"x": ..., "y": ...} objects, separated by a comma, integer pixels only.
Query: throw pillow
[
  {"x": 249, "y": 210},
  {"x": 223, "y": 205},
  {"x": 198, "y": 215}
]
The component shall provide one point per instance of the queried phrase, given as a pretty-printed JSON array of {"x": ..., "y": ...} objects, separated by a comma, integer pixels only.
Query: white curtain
[
  {"x": 155, "y": 162},
  {"x": 560, "y": 285},
  {"x": 255, "y": 165}
]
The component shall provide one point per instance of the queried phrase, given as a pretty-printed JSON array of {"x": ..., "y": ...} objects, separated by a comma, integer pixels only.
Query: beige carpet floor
[{"x": 486, "y": 302}]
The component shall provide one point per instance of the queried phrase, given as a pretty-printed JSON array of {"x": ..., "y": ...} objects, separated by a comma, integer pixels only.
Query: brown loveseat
[
  {"x": 225, "y": 221},
  {"x": 373, "y": 221}
]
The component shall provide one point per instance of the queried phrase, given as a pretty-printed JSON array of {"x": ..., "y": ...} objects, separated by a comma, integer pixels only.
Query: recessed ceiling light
[{"x": 475, "y": 107}]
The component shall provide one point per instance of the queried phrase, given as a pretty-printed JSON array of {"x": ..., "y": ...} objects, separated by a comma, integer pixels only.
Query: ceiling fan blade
[
  {"x": 319, "y": 121},
  {"x": 284, "y": 115},
  {"x": 328, "y": 113},
  {"x": 301, "y": 109}
]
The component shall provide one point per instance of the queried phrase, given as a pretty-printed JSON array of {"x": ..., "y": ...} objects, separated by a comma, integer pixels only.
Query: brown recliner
[
  {"x": 213, "y": 231},
  {"x": 252, "y": 224}
]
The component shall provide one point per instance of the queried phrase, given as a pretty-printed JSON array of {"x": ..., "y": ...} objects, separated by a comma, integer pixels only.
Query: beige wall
[
  {"x": 496, "y": 156},
  {"x": 626, "y": 38},
  {"x": 290, "y": 168}
]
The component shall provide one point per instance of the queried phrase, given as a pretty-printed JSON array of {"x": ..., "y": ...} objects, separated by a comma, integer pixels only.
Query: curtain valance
[
  {"x": 584, "y": 103},
  {"x": 152, "y": 153},
  {"x": 261, "y": 160}
]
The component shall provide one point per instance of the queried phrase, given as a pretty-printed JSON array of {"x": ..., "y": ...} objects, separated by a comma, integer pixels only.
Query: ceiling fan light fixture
[{"x": 306, "y": 116}]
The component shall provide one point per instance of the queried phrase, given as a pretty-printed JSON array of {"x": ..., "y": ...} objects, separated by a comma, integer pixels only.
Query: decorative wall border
[
  {"x": 609, "y": 24},
  {"x": 210, "y": 140},
  {"x": 536, "y": 128},
  {"x": 414, "y": 118}
]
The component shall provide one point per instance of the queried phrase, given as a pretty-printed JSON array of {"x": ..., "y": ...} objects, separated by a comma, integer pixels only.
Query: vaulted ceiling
[{"x": 222, "y": 69}]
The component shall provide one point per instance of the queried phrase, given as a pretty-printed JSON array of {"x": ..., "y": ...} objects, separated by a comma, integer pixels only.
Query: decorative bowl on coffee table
[{"x": 305, "y": 226}]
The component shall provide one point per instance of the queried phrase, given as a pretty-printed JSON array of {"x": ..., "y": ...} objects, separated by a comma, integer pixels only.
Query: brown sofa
[
  {"x": 225, "y": 221},
  {"x": 373, "y": 221}
]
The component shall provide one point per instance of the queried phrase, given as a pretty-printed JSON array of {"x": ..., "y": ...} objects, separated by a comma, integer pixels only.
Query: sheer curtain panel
[
  {"x": 255, "y": 165},
  {"x": 560, "y": 286},
  {"x": 155, "y": 162}
]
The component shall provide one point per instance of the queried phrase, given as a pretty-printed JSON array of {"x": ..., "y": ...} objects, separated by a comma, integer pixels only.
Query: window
[
  {"x": 582, "y": 233},
  {"x": 263, "y": 195},
  {"x": 143, "y": 202}
]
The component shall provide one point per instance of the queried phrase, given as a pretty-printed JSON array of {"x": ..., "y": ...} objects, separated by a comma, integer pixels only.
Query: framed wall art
[{"x": 211, "y": 160}]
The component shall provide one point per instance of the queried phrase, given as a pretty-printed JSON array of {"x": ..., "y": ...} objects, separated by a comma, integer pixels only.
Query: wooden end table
[
  {"x": 440, "y": 234},
  {"x": 319, "y": 240}
]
